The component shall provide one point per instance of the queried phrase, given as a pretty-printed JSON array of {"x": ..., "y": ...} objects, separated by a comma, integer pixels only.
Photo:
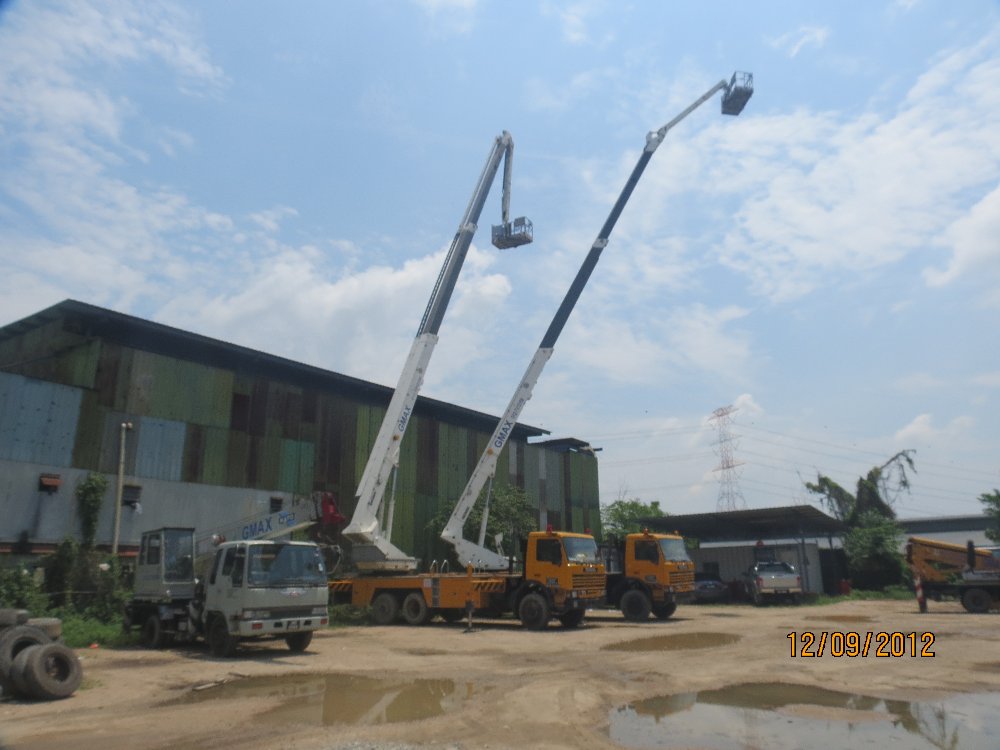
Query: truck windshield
[
  {"x": 285, "y": 565},
  {"x": 674, "y": 550},
  {"x": 581, "y": 550}
]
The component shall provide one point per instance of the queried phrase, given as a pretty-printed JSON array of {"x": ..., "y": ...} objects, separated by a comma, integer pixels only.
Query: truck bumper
[{"x": 280, "y": 627}]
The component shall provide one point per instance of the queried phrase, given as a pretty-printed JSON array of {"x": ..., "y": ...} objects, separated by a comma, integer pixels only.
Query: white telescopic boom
[{"x": 736, "y": 93}]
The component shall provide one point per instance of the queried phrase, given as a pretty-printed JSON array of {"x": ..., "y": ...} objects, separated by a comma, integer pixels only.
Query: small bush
[
  {"x": 80, "y": 631},
  {"x": 19, "y": 590}
]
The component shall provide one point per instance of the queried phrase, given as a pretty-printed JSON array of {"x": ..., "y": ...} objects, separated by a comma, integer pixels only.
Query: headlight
[{"x": 319, "y": 610}]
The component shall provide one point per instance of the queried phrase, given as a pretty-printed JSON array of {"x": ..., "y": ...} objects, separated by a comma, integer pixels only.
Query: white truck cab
[{"x": 249, "y": 589}]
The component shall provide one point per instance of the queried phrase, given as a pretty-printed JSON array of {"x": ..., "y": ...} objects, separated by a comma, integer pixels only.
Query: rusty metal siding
[
  {"x": 179, "y": 390},
  {"x": 52, "y": 352},
  {"x": 89, "y": 429},
  {"x": 297, "y": 466},
  {"x": 38, "y": 420},
  {"x": 584, "y": 496},
  {"x": 159, "y": 448}
]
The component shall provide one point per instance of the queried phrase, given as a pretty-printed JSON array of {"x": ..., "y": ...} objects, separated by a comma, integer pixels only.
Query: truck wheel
[
  {"x": 664, "y": 611},
  {"x": 572, "y": 618},
  {"x": 299, "y": 642},
  {"x": 220, "y": 641},
  {"x": 977, "y": 601},
  {"x": 635, "y": 605},
  {"x": 152, "y": 635},
  {"x": 534, "y": 612},
  {"x": 385, "y": 608},
  {"x": 53, "y": 672},
  {"x": 415, "y": 610},
  {"x": 14, "y": 640}
]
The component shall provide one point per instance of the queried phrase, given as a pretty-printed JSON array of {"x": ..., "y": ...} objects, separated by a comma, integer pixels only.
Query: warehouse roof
[
  {"x": 145, "y": 335},
  {"x": 794, "y": 521}
]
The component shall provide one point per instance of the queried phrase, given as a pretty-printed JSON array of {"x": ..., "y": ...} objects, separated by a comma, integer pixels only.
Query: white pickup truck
[{"x": 772, "y": 580}]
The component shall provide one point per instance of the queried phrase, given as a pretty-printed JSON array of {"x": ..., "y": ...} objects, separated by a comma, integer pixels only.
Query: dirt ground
[{"x": 498, "y": 686}]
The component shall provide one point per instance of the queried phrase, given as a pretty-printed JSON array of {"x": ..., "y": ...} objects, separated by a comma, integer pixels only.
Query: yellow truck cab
[{"x": 652, "y": 574}]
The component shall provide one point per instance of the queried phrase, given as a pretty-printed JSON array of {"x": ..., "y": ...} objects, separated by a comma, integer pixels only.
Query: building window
[{"x": 276, "y": 504}]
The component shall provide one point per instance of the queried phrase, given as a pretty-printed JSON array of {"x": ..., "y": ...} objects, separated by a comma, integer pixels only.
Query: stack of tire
[{"x": 34, "y": 662}]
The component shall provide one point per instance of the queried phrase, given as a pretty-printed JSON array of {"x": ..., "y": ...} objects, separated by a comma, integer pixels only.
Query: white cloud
[
  {"x": 988, "y": 379},
  {"x": 793, "y": 42},
  {"x": 575, "y": 19},
  {"x": 974, "y": 240},
  {"x": 450, "y": 16},
  {"x": 921, "y": 430},
  {"x": 919, "y": 381},
  {"x": 834, "y": 196}
]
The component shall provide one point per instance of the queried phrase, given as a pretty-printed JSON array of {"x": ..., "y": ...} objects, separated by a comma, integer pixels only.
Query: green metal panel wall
[{"x": 50, "y": 352}]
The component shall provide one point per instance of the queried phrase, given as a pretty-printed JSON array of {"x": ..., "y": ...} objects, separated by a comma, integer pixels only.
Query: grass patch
[
  {"x": 80, "y": 632},
  {"x": 344, "y": 615},
  {"x": 890, "y": 593}
]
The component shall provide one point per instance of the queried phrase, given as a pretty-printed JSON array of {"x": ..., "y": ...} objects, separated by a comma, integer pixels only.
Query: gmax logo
[
  {"x": 503, "y": 434},
  {"x": 508, "y": 426},
  {"x": 403, "y": 419},
  {"x": 255, "y": 529}
]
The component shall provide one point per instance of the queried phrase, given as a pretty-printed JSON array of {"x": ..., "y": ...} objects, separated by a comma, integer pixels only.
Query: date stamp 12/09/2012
[{"x": 881, "y": 644}]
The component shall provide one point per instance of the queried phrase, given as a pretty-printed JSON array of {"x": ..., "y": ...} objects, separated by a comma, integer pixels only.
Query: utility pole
[{"x": 126, "y": 426}]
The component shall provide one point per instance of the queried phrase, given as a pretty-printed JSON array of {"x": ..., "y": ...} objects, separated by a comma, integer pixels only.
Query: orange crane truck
[{"x": 656, "y": 574}]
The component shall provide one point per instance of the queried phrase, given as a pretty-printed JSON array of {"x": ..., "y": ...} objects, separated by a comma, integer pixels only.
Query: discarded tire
[
  {"x": 13, "y": 640},
  {"x": 17, "y": 670},
  {"x": 51, "y": 625},
  {"x": 52, "y": 671},
  {"x": 10, "y": 617}
]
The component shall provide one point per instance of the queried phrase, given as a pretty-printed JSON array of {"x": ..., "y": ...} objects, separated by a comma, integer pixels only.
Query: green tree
[
  {"x": 991, "y": 503},
  {"x": 872, "y": 548},
  {"x": 872, "y": 542},
  {"x": 511, "y": 514},
  {"x": 89, "y": 496},
  {"x": 625, "y": 516},
  {"x": 876, "y": 491}
]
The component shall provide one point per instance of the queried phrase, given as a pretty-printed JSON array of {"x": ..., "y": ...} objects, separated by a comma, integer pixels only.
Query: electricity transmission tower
[{"x": 730, "y": 495}]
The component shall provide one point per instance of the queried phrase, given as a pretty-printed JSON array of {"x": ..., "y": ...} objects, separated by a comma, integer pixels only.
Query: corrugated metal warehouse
[{"x": 222, "y": 433}]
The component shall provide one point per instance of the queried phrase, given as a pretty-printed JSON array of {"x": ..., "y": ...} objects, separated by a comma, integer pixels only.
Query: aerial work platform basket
[
  {"x": 737, "y": 93},
  {"x": 513, "y": 233}
]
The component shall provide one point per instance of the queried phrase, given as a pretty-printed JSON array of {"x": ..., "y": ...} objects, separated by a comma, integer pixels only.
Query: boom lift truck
[
  {"x": 656, "y": 584},
  {"x": 969, "y": 573},
  {"x": 372, "y": 550},
  {"x": 396, "y": 588}
]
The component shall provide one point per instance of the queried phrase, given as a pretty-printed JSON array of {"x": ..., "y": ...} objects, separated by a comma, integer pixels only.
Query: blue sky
[{"x": 288, "y": 177}]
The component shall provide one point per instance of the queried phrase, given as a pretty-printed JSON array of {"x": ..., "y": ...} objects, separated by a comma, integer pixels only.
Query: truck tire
[
  {"x": 51, "y": 625},
  {"x": 53, "y": 672},
  {"x": 415, "y": 610},
  {"x": 665, "y": 610},
  {"x": 533, "y": 611},
  {"x": 635, "y": 605},
  {"x": 573, "y": 618},
  {"x": 385, "y": 608},
  {"x": 221, "y": 642},
  {"x": 9, "y": 616},
  {"x": 152, "y": 635},
  {"x": 18, "y": 683},
  {"x": 13, "y": 640},
  {"x": 977, "y": 601},
  {"x": 299, "y": 642}
]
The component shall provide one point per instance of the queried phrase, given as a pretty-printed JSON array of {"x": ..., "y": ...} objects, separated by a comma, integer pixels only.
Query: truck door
[
  {"x": 548, "y": 562},
  {"x": 227, "y": 577}
]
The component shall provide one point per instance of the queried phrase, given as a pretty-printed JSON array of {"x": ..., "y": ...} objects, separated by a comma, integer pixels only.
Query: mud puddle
[
  {"x": 780, "y": 715},
  {"x": 341, "y": 699},
  {"x": 675, "y": 642}
]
